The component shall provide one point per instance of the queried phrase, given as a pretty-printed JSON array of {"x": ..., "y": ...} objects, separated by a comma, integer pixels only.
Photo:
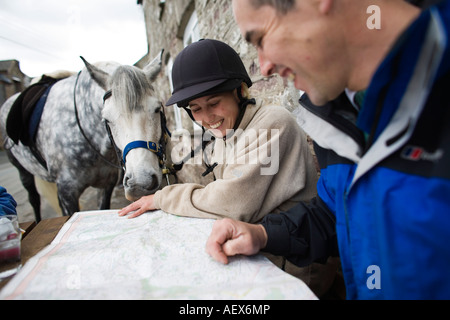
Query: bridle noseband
[
  {"x": 157, "y": 148},
  {"x": 149, "y": 145}
]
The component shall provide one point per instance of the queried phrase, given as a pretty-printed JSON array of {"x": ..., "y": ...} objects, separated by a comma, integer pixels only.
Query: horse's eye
[{"x": 158, "y": 109}]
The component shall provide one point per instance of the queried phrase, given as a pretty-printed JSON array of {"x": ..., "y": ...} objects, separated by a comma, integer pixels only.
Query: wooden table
[{"x": 37, "y": 237}]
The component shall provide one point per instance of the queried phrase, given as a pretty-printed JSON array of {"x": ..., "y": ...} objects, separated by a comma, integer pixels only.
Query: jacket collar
[{"x": 398, "y": 128}]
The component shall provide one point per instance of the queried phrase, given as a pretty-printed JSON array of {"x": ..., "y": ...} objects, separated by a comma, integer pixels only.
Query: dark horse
[{"x": 72, "y": 140}]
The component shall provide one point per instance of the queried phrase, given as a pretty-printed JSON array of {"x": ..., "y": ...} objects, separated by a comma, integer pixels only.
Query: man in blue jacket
[{"x": 376, "y": 74}]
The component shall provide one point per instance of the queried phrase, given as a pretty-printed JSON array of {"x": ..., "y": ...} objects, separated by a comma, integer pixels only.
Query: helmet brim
[
  {"x": 191, "y": 91},
  {"x": 183, "y": 96}
]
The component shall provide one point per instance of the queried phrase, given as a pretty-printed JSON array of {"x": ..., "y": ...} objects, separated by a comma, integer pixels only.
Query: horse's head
[{"x": 134, "y": 117}]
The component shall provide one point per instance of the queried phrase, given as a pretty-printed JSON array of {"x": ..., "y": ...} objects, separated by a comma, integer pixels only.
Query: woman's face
[{"x": 217, "y": 112}]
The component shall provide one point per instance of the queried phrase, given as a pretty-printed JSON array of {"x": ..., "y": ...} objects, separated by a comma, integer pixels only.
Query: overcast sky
[{"x": 47, "y": 35}]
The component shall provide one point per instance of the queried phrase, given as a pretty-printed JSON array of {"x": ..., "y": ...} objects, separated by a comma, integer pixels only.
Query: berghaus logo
[{"x": 416, "y": 153}]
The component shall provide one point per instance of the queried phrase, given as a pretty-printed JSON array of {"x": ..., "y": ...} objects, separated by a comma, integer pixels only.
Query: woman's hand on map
[
  {"x": 230, "y": 237},
  {"x": 140, "y": 206}
]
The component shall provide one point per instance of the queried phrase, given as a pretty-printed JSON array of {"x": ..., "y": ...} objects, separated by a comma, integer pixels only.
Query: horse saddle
[{"x": 23, "y": 118}]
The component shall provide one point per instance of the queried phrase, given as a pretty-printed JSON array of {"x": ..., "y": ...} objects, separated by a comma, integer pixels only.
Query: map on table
[{"x": 99, "y": 255}]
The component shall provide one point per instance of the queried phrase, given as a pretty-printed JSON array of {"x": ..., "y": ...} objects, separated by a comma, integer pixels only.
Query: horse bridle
[{"x": 157, "y": 148}]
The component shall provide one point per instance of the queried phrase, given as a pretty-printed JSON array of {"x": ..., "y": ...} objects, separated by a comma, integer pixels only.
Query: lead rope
[{"x": 81, "y": 129}]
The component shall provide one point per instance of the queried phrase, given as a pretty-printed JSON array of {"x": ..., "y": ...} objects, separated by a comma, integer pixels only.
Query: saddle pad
[
  {"x": 36, "y": 115},
  {"x": 22, "y": 111}
]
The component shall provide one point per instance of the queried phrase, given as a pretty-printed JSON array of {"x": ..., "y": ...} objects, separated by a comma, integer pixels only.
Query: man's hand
[
  {"x": 230, "y": 237},
  {"x": 142, "y": 205}
]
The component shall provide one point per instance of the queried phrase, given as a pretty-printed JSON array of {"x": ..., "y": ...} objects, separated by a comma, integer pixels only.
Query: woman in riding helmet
[{"x": 259, "y": 155}]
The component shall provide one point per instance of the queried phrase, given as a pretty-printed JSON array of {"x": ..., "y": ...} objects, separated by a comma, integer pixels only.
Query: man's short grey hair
[{"x": 281, "y": 6}]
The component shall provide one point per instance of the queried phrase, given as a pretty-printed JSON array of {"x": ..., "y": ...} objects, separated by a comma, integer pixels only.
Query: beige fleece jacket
[{"x": 266, "y": 166}]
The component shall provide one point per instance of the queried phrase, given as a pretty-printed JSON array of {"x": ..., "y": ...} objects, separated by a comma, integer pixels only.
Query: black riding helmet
[{"x": 203, "y": 68}]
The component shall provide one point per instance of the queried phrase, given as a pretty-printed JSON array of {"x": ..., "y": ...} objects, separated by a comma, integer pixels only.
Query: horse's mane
[{"x": 130, "y": 85}]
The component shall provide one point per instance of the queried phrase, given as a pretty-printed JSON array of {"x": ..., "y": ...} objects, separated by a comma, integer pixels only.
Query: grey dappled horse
[{"x": 79, "y": 153}]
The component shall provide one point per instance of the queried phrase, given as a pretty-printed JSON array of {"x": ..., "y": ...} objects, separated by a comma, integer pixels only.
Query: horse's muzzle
[{"x": 135, "y": 189}]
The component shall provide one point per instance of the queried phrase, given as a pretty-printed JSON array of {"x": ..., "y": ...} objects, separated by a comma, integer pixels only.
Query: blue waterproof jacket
[{"x": 383, "y": 198}]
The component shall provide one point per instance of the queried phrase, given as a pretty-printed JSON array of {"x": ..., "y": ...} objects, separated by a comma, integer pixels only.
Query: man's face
[{"x": 299, "y": 45}]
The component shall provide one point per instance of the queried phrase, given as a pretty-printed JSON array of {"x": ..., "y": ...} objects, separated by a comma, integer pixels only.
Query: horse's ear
[
  {"x": 152, "y": 69},
  {"x": 99, "y": 76}
]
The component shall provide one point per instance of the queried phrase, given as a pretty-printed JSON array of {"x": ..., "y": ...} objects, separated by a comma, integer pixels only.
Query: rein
[{"x": 81, "y": 129}]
